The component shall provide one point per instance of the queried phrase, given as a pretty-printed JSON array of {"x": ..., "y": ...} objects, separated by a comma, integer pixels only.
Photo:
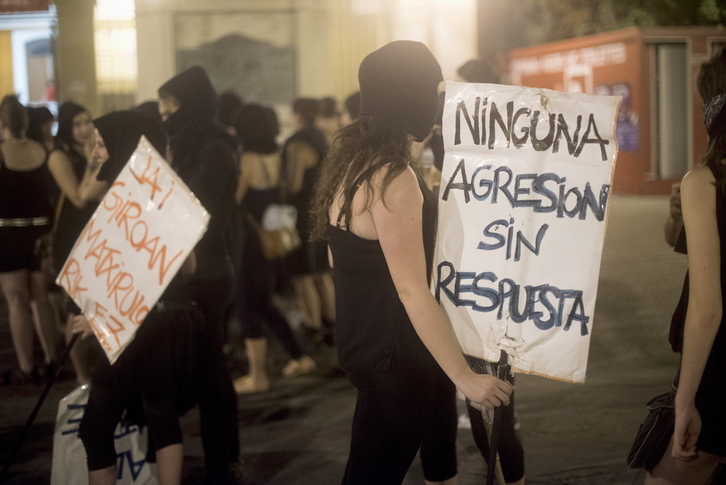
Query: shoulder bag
[
  {"x": 277, "y": 233},
  {"x": 654, "y": 434}
]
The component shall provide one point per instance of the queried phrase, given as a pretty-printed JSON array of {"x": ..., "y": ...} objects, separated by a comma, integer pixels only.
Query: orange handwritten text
[
  {"x": 119, "y": 284},
  {"x": 148, "y": 176},
  {"x": 127, "y": 215},
  {"x": 71, "y": 279}
]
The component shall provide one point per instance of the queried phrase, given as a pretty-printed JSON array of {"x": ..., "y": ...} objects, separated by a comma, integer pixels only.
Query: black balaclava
[
  {"x": 148, "y": 108},
  {"x": 121, "y": 132},
  {"x": 194, "y": 124},
  {"x": 196, "y": 95},
  {"x": 66, "y": 113},
  {"x": 398, "y": 84}
]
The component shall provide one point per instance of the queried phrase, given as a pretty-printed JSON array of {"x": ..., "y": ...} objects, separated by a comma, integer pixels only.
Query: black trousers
[
  {"x": 255, "y": 284},
  {"x": 103, "y": 412},
  {"x": 217, "y": 399},
  {"x": 153, "y": 380},
  {"x": 398, "y": 412}
]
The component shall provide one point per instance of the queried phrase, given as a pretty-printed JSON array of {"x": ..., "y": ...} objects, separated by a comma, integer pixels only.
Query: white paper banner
[
  {"x": 522, "y": 213},
  {"x": 136, "y": 241}
]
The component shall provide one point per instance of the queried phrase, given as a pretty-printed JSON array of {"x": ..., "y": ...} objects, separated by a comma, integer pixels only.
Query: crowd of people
[{"x": 363, "y": 184}]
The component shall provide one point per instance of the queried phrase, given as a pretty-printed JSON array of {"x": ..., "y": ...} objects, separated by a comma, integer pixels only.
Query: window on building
[
  {"x": 116, "y": 71},
  {"x": 672, "y": 119}
]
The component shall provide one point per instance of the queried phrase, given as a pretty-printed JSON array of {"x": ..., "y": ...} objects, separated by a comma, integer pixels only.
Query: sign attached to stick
[
  {"x": 131, "y": 248},
  {"x": 522, "y": 213}
]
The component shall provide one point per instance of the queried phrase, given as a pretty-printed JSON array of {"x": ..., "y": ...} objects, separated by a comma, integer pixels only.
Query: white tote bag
[{"x": 69, "y": 456}]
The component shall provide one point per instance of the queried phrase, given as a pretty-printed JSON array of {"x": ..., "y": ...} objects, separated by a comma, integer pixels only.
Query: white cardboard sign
[
  {"x": 522, "y": 214},
  {"x": 133, "y": 245}
]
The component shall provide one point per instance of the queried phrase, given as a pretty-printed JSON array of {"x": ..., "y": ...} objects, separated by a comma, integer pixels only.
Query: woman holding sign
[
  {"x": 154, "y": 379},
  {"x": 393, "y": 339},
  {"x": 699, "y": 439}
]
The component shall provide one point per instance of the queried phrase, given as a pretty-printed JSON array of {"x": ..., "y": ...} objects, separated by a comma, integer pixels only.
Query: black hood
[
  {"x": 398, "y": 83},
  {"x": 196, "y": 95},
  {"x": 121, "y": 132}
]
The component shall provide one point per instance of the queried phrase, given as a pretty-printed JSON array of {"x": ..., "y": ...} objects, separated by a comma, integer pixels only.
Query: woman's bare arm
[
  {"x": 60, "y": 167},
  {"x": 242, "y": 181},
  {"x": 398, "y": 224},
  {"x": 300, "y": 156},
  {"x": 90, "y": 187},
  {"x": 704, "y": 303}
]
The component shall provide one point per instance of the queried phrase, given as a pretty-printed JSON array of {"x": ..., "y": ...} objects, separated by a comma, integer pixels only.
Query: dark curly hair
[{"x": 366, "y": 142}]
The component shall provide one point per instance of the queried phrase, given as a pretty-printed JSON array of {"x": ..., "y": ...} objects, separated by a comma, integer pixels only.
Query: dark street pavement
[{"x": 573, "y": 434}]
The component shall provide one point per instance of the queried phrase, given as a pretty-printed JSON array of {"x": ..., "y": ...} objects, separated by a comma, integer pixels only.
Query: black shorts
[{"x": 19, "y": 260}]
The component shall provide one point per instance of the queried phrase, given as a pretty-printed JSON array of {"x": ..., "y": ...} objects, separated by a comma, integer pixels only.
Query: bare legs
[
  {"x": 80, "y": 354},
  {"x": 257, "y": 380},
  {"x": 308, "y": 299},
  {"x": 168, "y": 468},
  {"x": 451, "y": 481},
  {"x": 23, "y": 290},
  {"x": 169, "y": 464},
  {"x": 105, "y": 476},
  {"x": 315, "y": 294},
  {"x": 670, "y": 471},
  {"x": 43, "y": 315},
  {"x": 326, "y": 289},
  {"x": 15, "y": 288}
]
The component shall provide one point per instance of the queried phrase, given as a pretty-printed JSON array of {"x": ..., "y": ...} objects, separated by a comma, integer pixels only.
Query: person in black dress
[
  {"x": 258, "y": 188},
  {"x": 393, "y": 339},
  {"x": 154, "y": 378},
  {"x": 25, "y": 216}
]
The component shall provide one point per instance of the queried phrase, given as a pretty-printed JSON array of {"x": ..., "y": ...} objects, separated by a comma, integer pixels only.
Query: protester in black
[
  {"x": 154, "y": 379},
  {"x": 203, "y": 154},
  {"x": 257, "y": 190},
  {"x": 379, "y": 219}
]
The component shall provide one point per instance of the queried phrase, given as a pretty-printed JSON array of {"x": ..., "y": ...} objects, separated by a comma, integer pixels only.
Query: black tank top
[
  {"x": 71, "y": 220},
  {"x": 25, "y": 210},
  {"x": 373, "y": 330}
]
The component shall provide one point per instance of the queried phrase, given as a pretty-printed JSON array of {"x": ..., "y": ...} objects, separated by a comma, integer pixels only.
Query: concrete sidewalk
[{"x": 572, "y": 434}]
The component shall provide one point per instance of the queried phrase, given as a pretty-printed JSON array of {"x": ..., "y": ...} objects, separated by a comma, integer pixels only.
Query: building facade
[{"x": 659, "y": 128}]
